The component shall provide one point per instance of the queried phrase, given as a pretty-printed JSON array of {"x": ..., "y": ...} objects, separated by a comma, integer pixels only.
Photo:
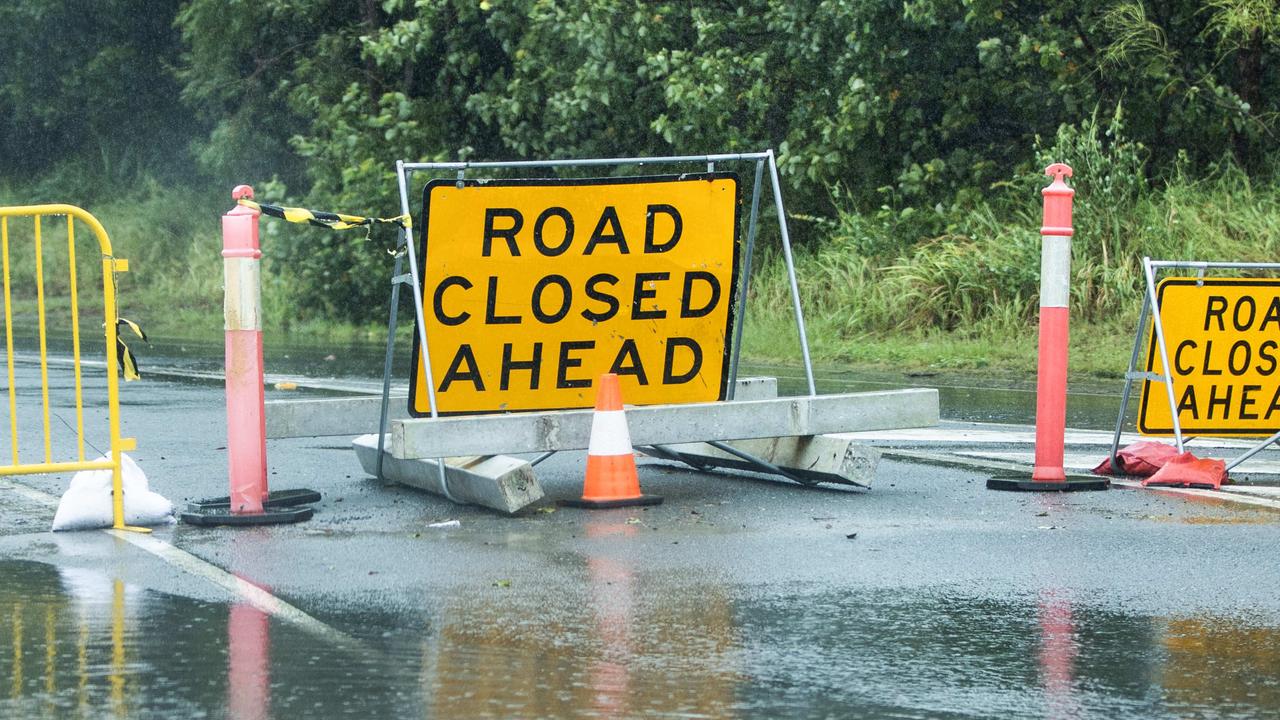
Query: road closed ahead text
[{"x": 533, "y": 289}]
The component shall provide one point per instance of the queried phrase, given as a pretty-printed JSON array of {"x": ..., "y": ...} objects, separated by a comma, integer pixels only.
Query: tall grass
[
  {"x": 967, "y": 296},
  {"x": 905, "y": 288}
]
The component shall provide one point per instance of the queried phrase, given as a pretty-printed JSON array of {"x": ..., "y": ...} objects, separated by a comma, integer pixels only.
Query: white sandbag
[{"x": 86, "y": 505}]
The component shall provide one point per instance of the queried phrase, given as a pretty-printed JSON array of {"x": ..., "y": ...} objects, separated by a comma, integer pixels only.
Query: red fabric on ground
[
  {"x": 1187, "y": 470},
  {"x": 1142, "y": 458}
]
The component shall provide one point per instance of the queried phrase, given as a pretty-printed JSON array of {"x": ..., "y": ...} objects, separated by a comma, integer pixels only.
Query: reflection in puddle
[
  {"x": 615, "y": 646},
  {"x": 1057, "y": 655},
  {"x": 612, "y": 648},
  {"x": 1221, "y": 663},
  {"x": 67, "y": 638},
  {"x": 248, "y": 663},
  {"x": 78, "y": 644},
  {"x": 623, "y": 641}
]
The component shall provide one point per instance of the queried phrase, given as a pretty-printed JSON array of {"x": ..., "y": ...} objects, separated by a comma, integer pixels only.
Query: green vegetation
[
  {"x": 967, "y": 298},
  {"x": 910, "y": 136}
]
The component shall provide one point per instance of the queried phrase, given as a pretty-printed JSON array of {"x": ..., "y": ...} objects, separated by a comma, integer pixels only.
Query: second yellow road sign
[
  {"x": 534, "y": 288},
  {"x": 1223, "y": 341}
]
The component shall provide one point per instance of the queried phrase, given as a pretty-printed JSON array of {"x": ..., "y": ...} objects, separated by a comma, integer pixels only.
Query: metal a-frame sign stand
[
  {"x": 1151, "y": 313},
  {"x": 807, "y": 415}
]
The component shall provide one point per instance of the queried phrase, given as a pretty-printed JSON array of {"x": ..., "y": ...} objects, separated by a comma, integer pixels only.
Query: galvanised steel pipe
[
  {"x": 1055, "y": 292},
  {"x": 242, "y": 315}
]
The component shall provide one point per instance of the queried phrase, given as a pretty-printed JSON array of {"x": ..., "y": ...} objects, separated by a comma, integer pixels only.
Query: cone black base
[
  {"x": 1021, "y": 483},
  {"x": 603, "y": 504}
]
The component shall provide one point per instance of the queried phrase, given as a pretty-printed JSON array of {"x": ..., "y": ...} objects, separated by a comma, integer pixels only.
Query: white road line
[
  {"x": 31, "y": 494},
  {"x": 1219, "y": 495},
  {"x": 989, "y": 464},
  {"x": 240, "y": 589}
]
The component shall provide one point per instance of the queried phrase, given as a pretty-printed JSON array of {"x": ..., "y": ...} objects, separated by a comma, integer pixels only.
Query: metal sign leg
[
  {"x": 791, "y": 272},
  {"x": 421, "y": 326},
  {"x": 1149, "y": 273},
  {"x": 1253, "y": 451},
  {"x": 396, "y": 280},
  {"x": 1130, "y": 376},
  {"x": 745, "y": 284}
]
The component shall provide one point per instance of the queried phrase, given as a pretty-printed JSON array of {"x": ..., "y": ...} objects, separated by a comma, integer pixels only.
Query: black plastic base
[
  {"x": 1020, "y": 483},
  {"x": 224, "y": 516},
  {"x": 603, "y": 504},
  {"x": 275, "y": 499}
]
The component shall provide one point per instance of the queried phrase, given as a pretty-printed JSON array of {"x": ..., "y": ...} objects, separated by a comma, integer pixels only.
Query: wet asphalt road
[{"x": 927, "y": 596}]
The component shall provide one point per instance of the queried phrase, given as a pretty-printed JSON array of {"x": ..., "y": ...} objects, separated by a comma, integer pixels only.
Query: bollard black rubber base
[
  {"x": 275, "y": 499},
  {"x": 224, "y": 516},
  {"x": 605, "y": 504},
  {"x": 1021, "y": 483}
]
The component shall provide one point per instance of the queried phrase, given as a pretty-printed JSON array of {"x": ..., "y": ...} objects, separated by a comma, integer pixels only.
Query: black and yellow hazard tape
[
  {"x": 333, "y": 221},
  {"x": 128, "y": 363}
]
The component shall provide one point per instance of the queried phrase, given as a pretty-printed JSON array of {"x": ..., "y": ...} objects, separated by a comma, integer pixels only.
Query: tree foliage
[{"x": 92, "y": 83}]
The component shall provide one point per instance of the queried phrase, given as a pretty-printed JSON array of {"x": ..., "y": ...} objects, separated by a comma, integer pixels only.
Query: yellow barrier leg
[
  {"x": 8, "y": 340},
  {"x": 109, "y": 267}
]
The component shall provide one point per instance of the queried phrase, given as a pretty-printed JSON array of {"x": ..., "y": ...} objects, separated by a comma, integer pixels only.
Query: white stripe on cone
[{"x": 609, "y": 434}]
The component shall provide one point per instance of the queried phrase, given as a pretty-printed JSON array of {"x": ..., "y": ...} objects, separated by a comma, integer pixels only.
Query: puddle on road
[
  {"x": 1091, "y": 403},
  {"x": 75, "y": 643},
  {"x": 78, "y": 644}
]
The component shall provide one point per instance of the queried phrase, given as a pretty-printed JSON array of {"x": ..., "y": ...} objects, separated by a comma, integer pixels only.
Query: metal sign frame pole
[
  {"x": 396, "y": 280},
  {"x": 745, "y": 284},
  {"x": 1130, "y": 376},
  {"x": 1253, "y": 451},
  {"x": 402, "y": 173},
  {"x": 1148, "y": 271},
  {"x": 791, "y": 270}
]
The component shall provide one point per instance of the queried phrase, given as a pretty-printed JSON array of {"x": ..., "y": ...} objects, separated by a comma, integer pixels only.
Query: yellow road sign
[
  {"x": 1223, "y": 341},
  {"x": 534, "y": 288}
]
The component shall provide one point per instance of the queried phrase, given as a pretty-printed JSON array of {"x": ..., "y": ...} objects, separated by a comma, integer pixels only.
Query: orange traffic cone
[{"x": 611, "y": 479}]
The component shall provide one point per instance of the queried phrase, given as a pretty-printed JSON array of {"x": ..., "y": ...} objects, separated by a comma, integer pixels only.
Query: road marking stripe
[
  {"x": 979, "y": 463},
  {"x": 29, "y": 493},
  {"x": 241, "y": 589}
]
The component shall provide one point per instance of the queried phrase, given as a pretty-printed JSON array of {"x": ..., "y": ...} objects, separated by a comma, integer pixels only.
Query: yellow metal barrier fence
[{"x": 110, "y": 266}]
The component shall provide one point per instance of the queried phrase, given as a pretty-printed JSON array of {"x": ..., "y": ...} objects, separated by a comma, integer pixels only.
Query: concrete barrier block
[
  {"x": 361, "y": 414},
  {"x": 667, "y": 424},
  {"x": 330, "y": 416},
  {"x": 498, "y": 482}
]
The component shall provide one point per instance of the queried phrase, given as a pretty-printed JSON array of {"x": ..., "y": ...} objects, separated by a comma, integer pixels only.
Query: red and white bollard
[
  {"x": 249, "y": 502},
  {"x": 242, "y": 315},
  {"x": 1055, "y": 295},
  {"x": 1051, "y": 370}
]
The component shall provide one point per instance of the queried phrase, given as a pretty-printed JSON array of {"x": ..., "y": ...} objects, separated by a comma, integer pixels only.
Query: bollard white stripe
[
  {"x": 1055, "y": 271},
  {"x": 609, "y": 434},
  {"x": 242, "y": 294}
]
